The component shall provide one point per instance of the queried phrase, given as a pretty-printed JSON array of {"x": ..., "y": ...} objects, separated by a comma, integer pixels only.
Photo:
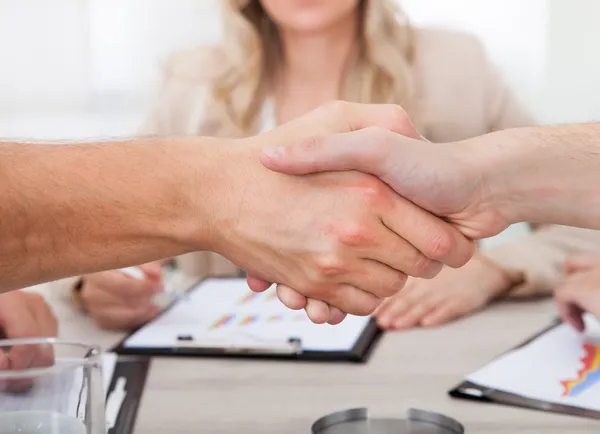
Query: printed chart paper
[
  {"x": 226, "y": 312},
  {"x": 562, "y": 366}
]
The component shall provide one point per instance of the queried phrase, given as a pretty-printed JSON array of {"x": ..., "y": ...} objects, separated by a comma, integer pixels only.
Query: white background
[{"x": 97, "y": 60}]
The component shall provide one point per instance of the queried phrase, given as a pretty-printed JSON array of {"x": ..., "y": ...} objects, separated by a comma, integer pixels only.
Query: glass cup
[{"x": 48, "y": 386}]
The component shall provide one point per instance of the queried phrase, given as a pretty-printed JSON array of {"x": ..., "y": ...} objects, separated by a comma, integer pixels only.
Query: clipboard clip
[{"x": 249, "y": 344}]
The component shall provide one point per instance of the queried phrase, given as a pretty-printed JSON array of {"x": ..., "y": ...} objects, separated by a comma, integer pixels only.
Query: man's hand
[
  {"x": 436, "y": 177},
  {"x": 580, "y": 290},
  {"x": 344, "y": 240},
  {"x": 25, "y": 315},
  {"x": 117, "y": 301}
]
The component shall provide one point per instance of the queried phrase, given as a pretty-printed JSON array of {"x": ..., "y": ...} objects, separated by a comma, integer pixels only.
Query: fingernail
[{"x": 273, "y": 152}]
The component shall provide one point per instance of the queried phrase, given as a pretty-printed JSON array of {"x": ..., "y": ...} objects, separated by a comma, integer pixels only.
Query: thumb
[
  {"x": 367, "y": 151},
  {"x": 153, "y": 270}
]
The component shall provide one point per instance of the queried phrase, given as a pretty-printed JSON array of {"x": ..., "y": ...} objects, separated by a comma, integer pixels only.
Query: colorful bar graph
[
  {"x": 248, "y": 320},
  {"x": 249, "y": 297},
  {"x": 223, "y": 321},
  {"x": 274, "y": 318}
]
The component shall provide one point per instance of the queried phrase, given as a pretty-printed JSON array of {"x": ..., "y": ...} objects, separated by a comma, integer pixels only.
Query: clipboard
[
  {"x": 471, "y": 391},
  {"x": 124, "y": 394},
  {"x": 291, "y": 348}
]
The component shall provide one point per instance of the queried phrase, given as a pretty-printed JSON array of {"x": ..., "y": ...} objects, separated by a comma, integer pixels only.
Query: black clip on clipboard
[
  {"x": 290, "y": 349},
  {"x": 474, "y": 392},
  {"x": 125, "y": 393}
]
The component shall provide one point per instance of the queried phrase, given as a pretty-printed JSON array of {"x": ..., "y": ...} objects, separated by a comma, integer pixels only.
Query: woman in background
[{"x": 280, "y": 59}]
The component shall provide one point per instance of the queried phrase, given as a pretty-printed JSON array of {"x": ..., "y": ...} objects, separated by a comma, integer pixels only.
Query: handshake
[{"x": 355, "y": 201}]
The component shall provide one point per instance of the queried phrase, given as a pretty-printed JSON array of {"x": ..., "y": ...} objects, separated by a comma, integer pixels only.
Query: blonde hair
[{"x": 380, "y": 70}]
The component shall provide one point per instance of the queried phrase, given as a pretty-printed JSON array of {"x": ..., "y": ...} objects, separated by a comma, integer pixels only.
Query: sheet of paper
[
  {"x": 227, "y": 312},
  {"x": 562, "y": 366},
  {"x": 109, "y": 362}
]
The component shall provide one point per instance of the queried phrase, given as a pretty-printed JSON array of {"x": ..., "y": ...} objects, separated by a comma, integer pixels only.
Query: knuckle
[
  {"x": 368, "y": 307},
  {"x": 440, "y": 246},
  {"x": 423, "y": 266},
  {"x": 36, "y": 299},
  {"x": 311, "y": 143},
  {"x": 354, "y": 234},
  {"x": 397, "y": 118},
  {"x": 397, "y": 284},
  {"x": 329, "y": 266},
  {"x": 337, "y": 109}
]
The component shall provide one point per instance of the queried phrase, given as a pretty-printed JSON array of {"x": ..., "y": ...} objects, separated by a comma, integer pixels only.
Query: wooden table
[{"x": 411, "y": 369}]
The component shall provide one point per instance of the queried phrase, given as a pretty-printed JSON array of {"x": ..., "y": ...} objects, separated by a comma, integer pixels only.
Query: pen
[{"x": 138, "y": 273}]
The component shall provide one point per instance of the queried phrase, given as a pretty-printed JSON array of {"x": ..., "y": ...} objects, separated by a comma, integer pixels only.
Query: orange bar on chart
[{"x": 223, "y": 321}]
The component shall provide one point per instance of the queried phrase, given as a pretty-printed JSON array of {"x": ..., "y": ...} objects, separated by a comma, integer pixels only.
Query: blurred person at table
[
  {"x": 280, "y": 59},
  {"x": 579, "y": 291}
]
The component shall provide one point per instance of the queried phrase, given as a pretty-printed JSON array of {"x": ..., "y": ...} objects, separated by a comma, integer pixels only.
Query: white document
[
  {"x": 109, "y": 362},
  {"x": 225, "y": 312},
  {"x": 561, "y": 366}
]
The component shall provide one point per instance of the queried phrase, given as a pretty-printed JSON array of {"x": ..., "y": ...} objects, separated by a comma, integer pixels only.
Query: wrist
[
  {"x": 498, "y": 280},
  {"x": 502, "y": 163},
  {"x": 210, "y": 213}
]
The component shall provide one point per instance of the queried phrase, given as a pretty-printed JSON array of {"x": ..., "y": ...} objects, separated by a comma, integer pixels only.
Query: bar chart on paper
[
  {"x": 561, "y": 367},
  {"x": 226, "y": 311}
]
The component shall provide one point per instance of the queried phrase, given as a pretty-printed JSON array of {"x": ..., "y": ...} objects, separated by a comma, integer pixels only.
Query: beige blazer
[{"x": 460, "y": 96}]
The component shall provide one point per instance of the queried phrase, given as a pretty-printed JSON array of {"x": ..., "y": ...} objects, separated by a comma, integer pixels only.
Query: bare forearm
[
  {"x": 544, "y": 175},
  {"x": 73, "y": 209}
]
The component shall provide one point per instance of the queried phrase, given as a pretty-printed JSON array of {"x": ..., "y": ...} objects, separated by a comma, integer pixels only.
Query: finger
[
  {"x": 317, "y": 311},
  {"x": 433, "y": 237},
  {"x": 413, "y": 316},
  {"x": 442, "y": 314},
  {"x": 47, "y": 324},
  {"x": 365, "y": 151},
  {"x": 97, "y": 300},
  {"x": 394, "y": 311},
  {"x": 571, "y": 314},
  {"x": 393, "y": 251},
  {"x": 153, "y": 270},
  {"x": 376, "y": 278},
  {"x": 570, "y": 306},
  {"x": 416, "y": 294},
  {"x": 581, "y": 262},
  {"x": 352, "y": 300},
  {"x": 291, "y": 298},
  {"x": 123, "y": 318},
  {"x": 336, "y": 316},
  {"x": 388, "y": 302},
  {"x": 114, "y": 287},
  {"x": 23, "y": 356},
  {"x": 399, "y": 302},
  {"x": 258, "y": 285}
]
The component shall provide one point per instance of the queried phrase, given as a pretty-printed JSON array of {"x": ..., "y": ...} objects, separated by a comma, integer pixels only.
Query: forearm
[
  {"x": 543, "y": 175},
  {"x": 73, "y": 209}
]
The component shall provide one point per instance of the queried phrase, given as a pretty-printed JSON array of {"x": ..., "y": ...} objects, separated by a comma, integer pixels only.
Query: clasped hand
[{"x": 335, "y": 243}]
